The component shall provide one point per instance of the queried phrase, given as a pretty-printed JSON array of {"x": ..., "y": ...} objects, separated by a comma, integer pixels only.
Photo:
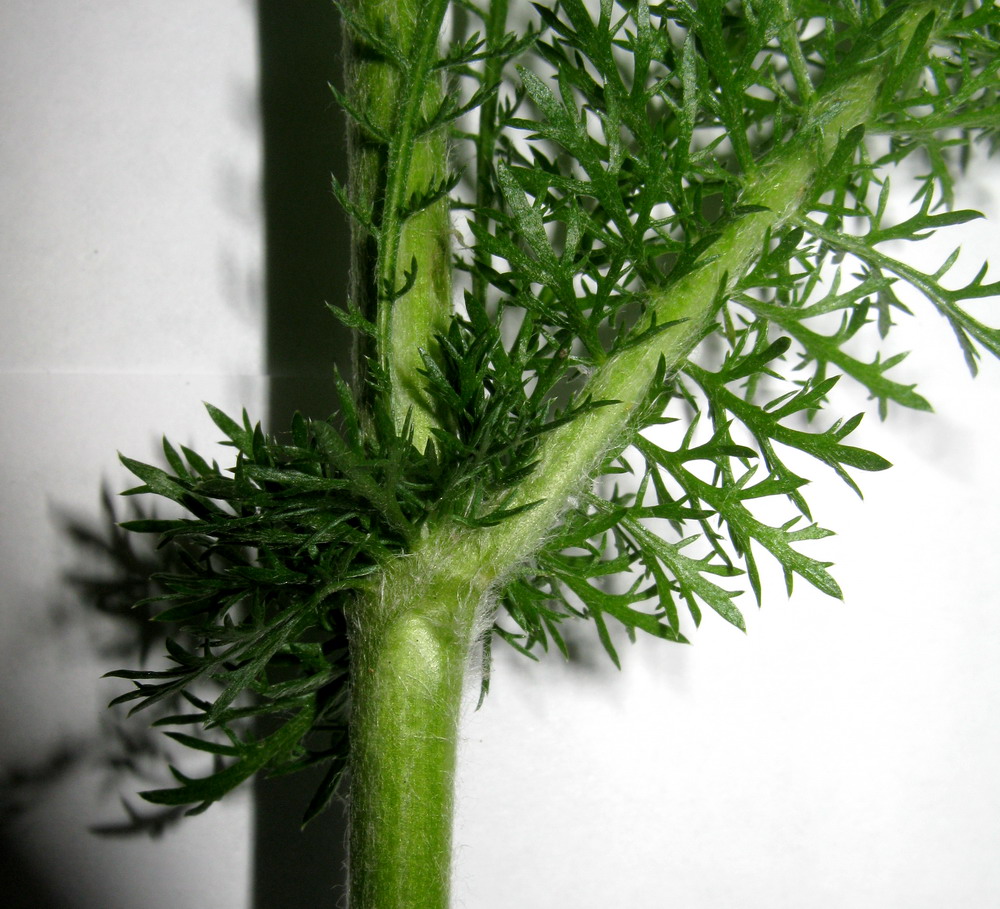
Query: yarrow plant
[{"x": 627, "y": 215}]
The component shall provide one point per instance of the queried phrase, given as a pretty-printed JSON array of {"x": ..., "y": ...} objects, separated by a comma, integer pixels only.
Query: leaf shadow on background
[
  {"x": 306, "y": 254},
  {"x": 101, "y": 601}
]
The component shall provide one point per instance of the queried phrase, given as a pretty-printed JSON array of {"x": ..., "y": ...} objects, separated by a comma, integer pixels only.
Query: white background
[{"x": 838, "y": 755}]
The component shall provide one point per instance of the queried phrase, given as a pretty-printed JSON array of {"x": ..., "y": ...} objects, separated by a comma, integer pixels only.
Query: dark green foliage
[
  {"x": 601, "y": 174},
  {"x": 615, "y": 140}
]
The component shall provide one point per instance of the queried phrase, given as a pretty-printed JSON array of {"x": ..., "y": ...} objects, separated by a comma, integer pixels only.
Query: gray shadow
[
  {"x": 306, "y": 234},
  {"x": 306, "y": 254}
]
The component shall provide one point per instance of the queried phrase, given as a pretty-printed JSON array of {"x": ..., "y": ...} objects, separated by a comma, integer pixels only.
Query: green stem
[
  {"x": 409, "y": 649},
  {"x": 398, "y": 163}
]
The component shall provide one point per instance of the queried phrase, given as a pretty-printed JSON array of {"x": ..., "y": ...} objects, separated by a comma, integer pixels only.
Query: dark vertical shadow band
[
  {"x": 306, "y": 233},
  {"x": 306, "y": 254}
]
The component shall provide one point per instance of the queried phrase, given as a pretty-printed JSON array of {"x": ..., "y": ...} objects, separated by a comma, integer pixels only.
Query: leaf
[
  {"x": 156, "y": 481},
  {"x": 211, "y": 788},
  {"x": 240, "y": 436},
  {"x": 527, "y": 218},
  {"x": 689, "y": 573}
]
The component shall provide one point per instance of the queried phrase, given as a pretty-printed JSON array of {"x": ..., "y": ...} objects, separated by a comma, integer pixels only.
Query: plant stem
[
  {"x": 409, "y": 649},
  {"x": 387, "y": 170},
  {"x": 408, "y": 642}
]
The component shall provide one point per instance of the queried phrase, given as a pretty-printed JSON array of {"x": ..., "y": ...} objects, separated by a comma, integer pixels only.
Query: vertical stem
[
  {"x": 409, "y": 649},
  {"x": 396, "y": 89},
  {"x": 409, "y": 640}
]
